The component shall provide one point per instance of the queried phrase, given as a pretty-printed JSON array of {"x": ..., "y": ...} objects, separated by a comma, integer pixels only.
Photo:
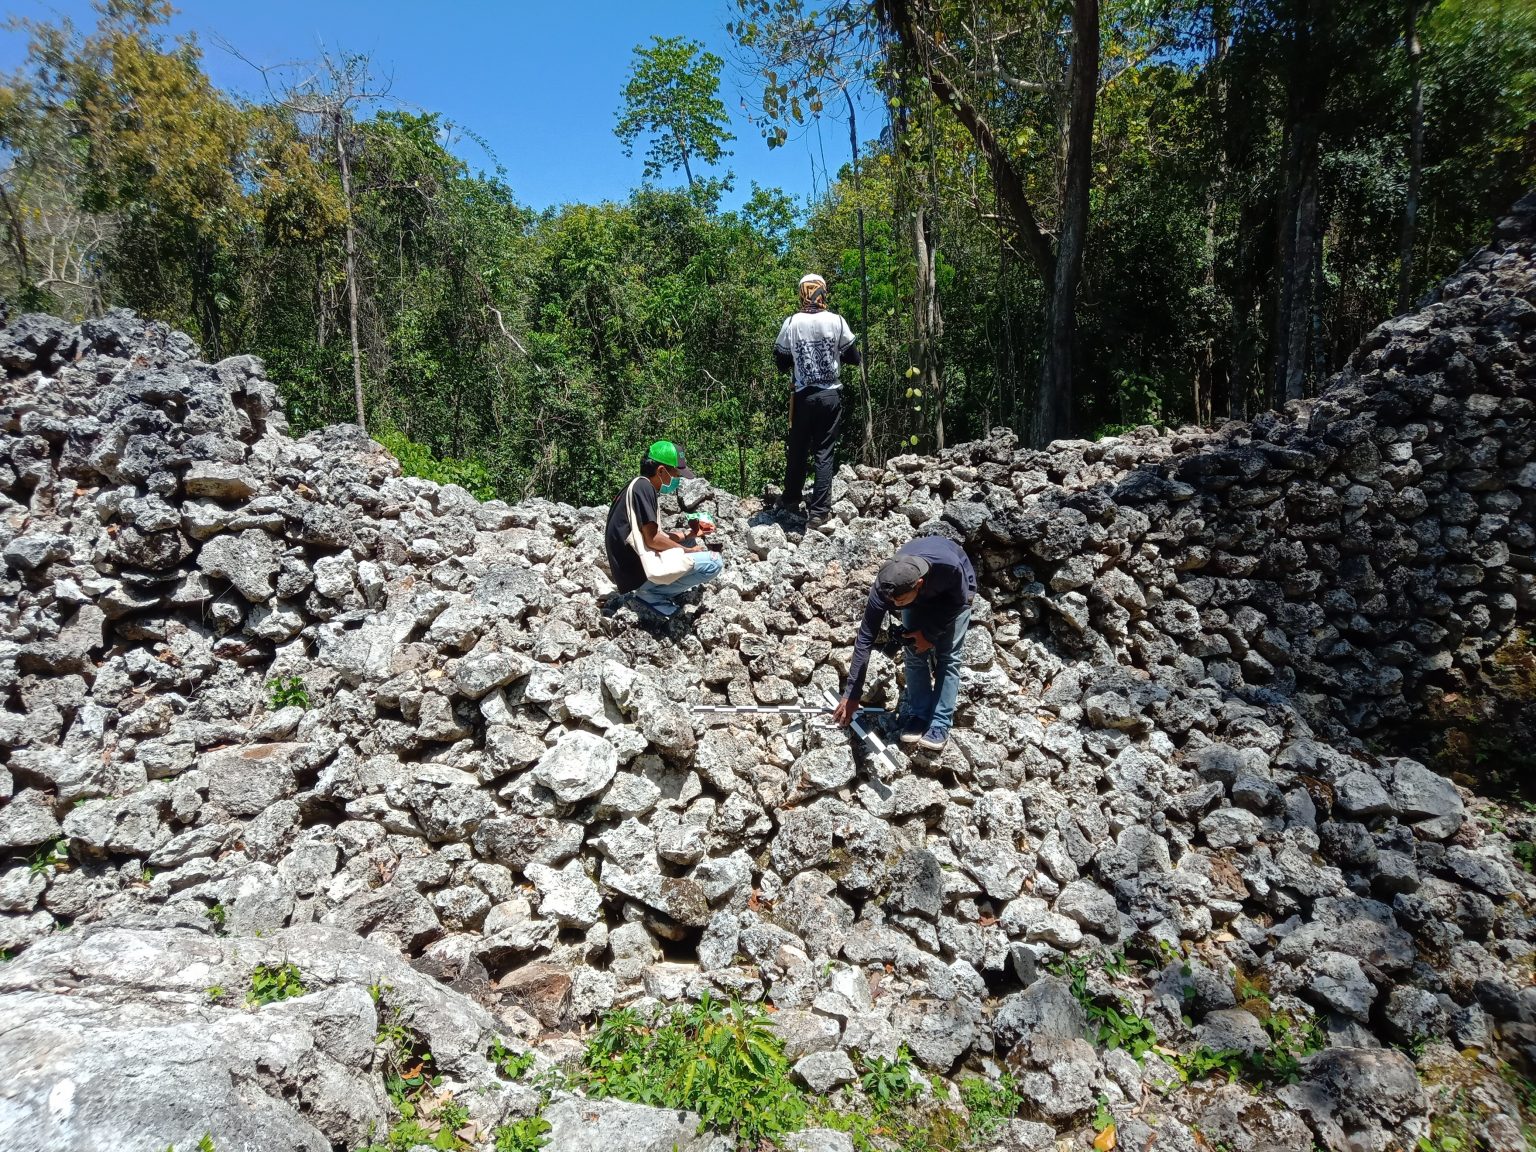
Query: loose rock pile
[{"x": 264, "y": 697}]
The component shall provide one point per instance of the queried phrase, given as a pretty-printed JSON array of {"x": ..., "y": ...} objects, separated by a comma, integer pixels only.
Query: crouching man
[
  {"x": 930, "y": 581},
  {"x": 653, "y": 566}
]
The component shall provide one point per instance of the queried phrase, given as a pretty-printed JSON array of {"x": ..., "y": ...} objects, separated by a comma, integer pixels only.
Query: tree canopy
[
  {"x": 1253, "y": 185},
  {"x": 673, "y": 96}
]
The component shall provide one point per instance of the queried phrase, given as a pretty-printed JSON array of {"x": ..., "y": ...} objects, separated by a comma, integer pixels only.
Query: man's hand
[
  {"x": 845, "y": 711},
  {"x": 919, "y": 642}
]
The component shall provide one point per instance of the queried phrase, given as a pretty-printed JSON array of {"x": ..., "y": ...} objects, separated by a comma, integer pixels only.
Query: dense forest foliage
[{"x": 1079, "y": 215}]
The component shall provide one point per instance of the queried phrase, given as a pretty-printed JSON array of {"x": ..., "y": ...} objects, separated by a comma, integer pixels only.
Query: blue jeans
[
  {"x": 933, "y": 678},
  {"x": 706, "y": 566}
]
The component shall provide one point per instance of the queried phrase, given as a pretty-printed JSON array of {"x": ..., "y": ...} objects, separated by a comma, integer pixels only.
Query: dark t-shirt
[
  {"x": 623, "y": 560},
  {"x": 947, "y": 590}
]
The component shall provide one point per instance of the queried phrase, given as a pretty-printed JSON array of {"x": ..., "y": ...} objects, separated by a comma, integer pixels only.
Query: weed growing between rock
[
  {"x": 287, "y": 691},
  {"x": 727, "y": 1064},
  {"x": 527, "y": 1135},
  {"x": 55, "y": 855},
  {"x": 510, "y": 1064},
  {"x": 411, "y": 1083},
  {"x": 1115, "y": 1023},
  {"x": 271, "y": 983}
]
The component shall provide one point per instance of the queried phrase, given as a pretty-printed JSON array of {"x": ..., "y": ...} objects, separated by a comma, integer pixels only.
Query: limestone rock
[{"x": 578, "y": 766}]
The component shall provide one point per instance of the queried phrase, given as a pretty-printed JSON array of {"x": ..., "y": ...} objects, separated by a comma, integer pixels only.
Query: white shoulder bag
[{"x": 660, "y": 567}]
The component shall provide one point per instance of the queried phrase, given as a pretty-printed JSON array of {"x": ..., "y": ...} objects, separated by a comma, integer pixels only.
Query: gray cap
[{"x": 899, "y": 574}]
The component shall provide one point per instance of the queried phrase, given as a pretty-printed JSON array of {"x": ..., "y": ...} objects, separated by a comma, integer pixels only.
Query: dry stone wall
[{"x": 483, "y": 774}]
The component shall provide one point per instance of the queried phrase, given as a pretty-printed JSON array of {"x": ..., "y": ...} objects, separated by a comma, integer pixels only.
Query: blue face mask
[{"x": 671, "y": 485}]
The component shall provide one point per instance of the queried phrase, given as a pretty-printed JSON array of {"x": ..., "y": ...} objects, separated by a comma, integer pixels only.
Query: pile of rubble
[{"x": 264, "y": 697}]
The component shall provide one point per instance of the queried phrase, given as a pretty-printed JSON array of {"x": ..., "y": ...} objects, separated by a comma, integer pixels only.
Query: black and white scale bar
[
  {"x": 877, "y": 745},
  {"x": 791, "y": 709}
]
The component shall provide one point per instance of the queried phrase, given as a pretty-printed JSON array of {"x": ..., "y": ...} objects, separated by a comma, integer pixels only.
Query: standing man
[
  {"x": 813, "y": 343},
  {"x": 662, "y": 470},
  {"x": 930, "y": 581}
]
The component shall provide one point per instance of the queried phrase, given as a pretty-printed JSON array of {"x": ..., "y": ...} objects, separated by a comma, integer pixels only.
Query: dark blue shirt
[{"x": 946, "y": 591}]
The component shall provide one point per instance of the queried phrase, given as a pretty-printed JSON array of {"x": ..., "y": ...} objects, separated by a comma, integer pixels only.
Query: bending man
[
  {"x": 662, "y": 470},
  {"x": 930, "y": 581},
  {"x": 813, "y": 343}
]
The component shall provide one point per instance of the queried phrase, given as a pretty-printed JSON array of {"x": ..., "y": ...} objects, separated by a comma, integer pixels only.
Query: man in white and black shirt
[{"x": 813, "y": 343}]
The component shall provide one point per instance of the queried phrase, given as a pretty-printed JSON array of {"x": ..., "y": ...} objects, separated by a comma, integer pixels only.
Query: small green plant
[
  {"x": 991, "y": 1104},
  {"x": 1116, "y": 1024},
  {"x": 1525, "y": 852},
  {"x": 406, "y": 1083},
  {"x": 1204, "y": 1062},
  {"x": 508, "y": 1063},
  {"x": 522, "y": 1135},
  {"x": 452, "y": 1114},
  {"x": 271, "y": 983},
  {"x": 1290, "y": 1041},
  {"x": 215, "y": 993},
  {"x": 216, "y": 916},
  {"x": 146, "y": 875},
  {"x": 283, "y": 691},
  {"x": 205, "y": 1144},
  {"x": 395, "y": 1032},
  {"x": 889, "y": 1082},
  {"x": 1248, "y": 990},
  {"x": 55, "y": 855},
  {"x": 1102, "y": 1117}
]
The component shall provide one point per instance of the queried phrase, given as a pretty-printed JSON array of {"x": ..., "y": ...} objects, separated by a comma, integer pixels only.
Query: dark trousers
[{"x": 813, "y": 429}]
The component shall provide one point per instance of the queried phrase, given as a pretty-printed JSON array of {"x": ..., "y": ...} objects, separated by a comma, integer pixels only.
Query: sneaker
[
  {"x": 666, "y": 609},
  {"x": 934, "y": 739},
  {"x": 817, "y": 520},
  {"x": 911, "y": 731}
]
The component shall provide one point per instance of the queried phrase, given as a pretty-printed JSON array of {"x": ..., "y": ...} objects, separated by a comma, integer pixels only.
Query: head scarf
[{"x": 813, "y": 293}]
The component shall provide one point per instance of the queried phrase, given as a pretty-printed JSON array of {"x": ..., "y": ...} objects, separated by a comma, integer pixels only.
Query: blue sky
[{"x": 539, "y": 82}]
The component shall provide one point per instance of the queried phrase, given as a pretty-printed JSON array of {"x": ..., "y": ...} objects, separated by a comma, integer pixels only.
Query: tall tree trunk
[
  {"x": 1310, "y": 74},
  {"x": 1298, "y": 308},
  {"x": 1205, "y": 403},
  {"x": 928, "y": 322},
  {"x": 1240, "y": 382},
  {"x": 687, "y": 171},
  {"x": 1319, "y": 364},
  {"x": 1061, "y": 320},
  {"x": 18, "y": 240},
  {"x": 867, "y": 451},
  {"x": 351, "y": 252},
  {"x": 1415, "y": 158}
]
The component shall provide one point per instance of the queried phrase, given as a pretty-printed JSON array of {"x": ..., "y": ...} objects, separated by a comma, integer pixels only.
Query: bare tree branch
[{"x": 496, "y": 312}]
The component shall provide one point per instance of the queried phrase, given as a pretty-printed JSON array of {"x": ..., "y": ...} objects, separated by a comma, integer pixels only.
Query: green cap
[{"x": 668, "y": 453}]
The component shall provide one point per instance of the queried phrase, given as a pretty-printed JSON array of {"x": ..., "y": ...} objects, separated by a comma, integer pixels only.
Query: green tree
[{"x": 673, "y": 96}]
